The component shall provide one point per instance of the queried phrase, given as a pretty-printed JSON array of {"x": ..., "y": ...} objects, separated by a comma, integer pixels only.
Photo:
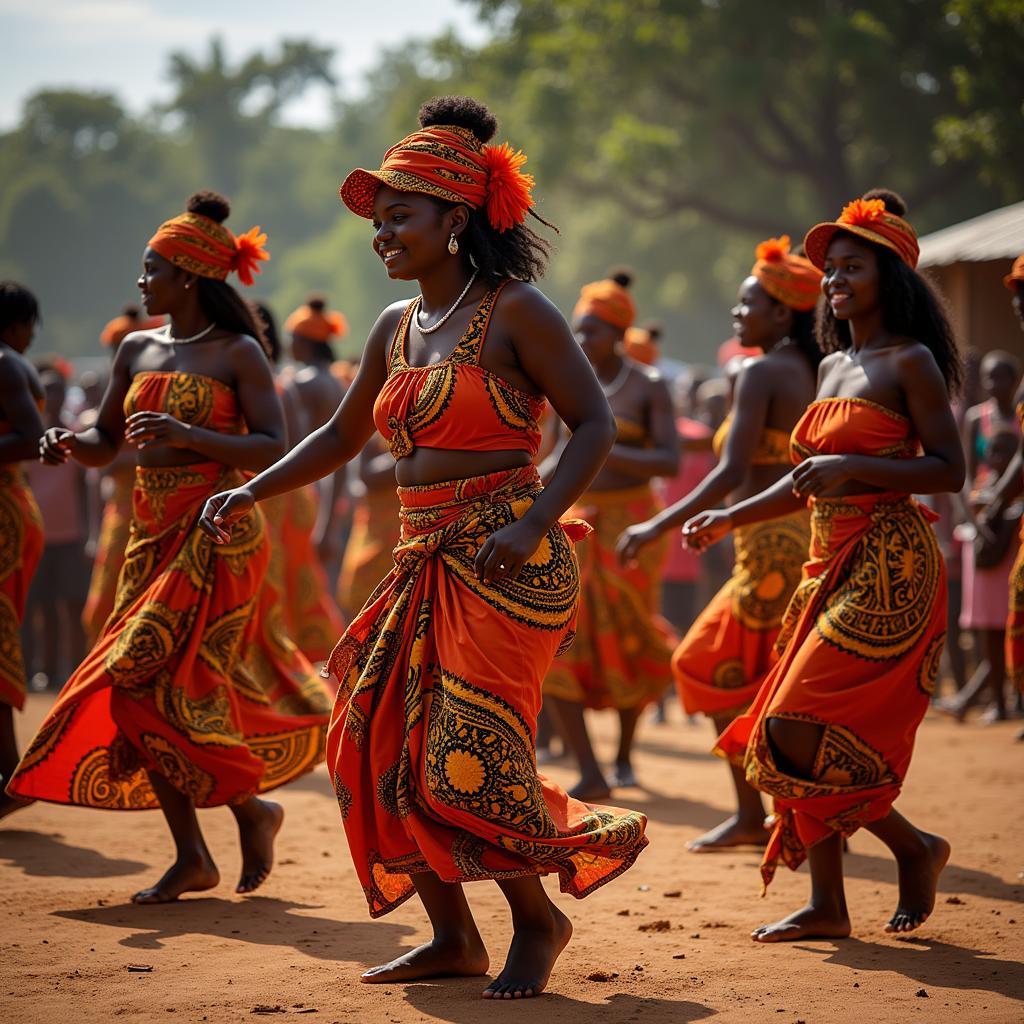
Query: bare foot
[
  {"x": 590, "y": 791},
  {"x": 10, "y": 804},
  {"x": 807, "y": 923},
  {"x": 919, "y": 878},
  {"x": 731, "y": 833},
  {"x": 256, "y": 832},
  {"x": 193, "y": 874},
  {"x": 464, "y": 957},
  {"x": 531, "y": 957},
  {"x": 623, "y": 775}
]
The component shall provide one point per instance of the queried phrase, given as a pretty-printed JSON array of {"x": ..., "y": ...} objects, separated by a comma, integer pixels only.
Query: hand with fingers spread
[
  {"x": 635, "y": 537},
  {"x": 820, "y": 473},
  {"x": 56, "y": 446},
  {"x": 705, "y": 529},
  {"x": 223, "y": 510},
  {"x": 156, "y": 430},
  {"x": 505, "y": 552}
]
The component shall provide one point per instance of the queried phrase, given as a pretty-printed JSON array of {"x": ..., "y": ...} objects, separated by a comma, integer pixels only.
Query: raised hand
[
  {"x": 156, "y": 430},
  {"x": 223, "y": 510},
  {"x": 56, "y": 446},
  {"x": 635, "y": 537},
  {"x": 705, "y": 529}
]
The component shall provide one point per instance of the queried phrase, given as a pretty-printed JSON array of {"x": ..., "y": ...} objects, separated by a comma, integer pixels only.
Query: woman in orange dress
[
  {"x": 722, "y": 661},
  {"x": 21, "y": 526},
  {"x": 620, "y": 657},
  {"x": 431, "y": 745},
  {"x": 831, "y": 731},
  {"x": 192, "y": 695}
]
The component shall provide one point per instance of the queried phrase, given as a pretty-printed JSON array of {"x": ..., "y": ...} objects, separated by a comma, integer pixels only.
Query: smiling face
[
  {"x": 161, "y": 283},
  {"x": 851, "y": 283},
  {"x": 411, "y": 232},
  {"x": 757, "y": 320}
]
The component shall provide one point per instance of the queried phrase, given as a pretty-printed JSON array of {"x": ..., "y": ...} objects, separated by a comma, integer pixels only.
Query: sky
[{"x": 121, "y": 46}]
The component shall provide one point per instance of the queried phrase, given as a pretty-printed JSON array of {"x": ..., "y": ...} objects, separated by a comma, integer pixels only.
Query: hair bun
[
  {"x": 621, "y": 276},
  {"x": 655, "y": 329},
  {"x": 317, "y": 302},
  {"x": 894, "y": 202},
  {"x": 209, "y": 204},
  {"x": 461, "y": 111}
]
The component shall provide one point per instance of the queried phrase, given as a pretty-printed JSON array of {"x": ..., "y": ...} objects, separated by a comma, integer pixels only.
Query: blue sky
[{"x": 121, "y": 46}]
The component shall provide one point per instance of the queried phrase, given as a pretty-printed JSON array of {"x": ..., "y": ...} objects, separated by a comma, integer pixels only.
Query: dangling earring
[{"x": 453, "y": 244}]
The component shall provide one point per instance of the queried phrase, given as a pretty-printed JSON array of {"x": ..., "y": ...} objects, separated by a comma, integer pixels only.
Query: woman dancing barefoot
[
  {"x": 192, "y": 696},
  {"x": 431, "y": 747},
  {"x": 725, "y": 656},
  {"x": 830, "y": 734}
]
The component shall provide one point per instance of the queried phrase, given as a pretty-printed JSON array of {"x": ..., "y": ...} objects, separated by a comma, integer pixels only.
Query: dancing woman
[
  {"x": 431, "y": 745},
  {"x": 21, "y": 525},
  {"x": 830, "y": 733},
  {"x": 620, "y": 657},
  {"x": 188, "y": 698},
  {"x": 725, "y": 656}
]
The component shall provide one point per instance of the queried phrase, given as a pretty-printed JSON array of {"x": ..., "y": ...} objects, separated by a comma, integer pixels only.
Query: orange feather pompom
[
  {"x": 773, "y": 250},
  {"x": 508, "y": 188},
  {"x": 863, "y": 212},
  {"x": 249, "y": 253}
]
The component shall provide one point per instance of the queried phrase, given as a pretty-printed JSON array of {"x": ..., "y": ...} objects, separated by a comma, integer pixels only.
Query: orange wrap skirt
[
  {"x": 21, "y": 547},
  {"x": 376, "y": 529},
  {"x": 311, "y": 618},
  {"x": 723, "y": 659},
  {"x": 860, "y": 649},
  {"x": 621, "y": 657},
  {"x": 115, "y": 530},
  {"x": 1015, "y": 622},
  {"x": 190, "y": 678},
  {"x": 431, "y": 746}
]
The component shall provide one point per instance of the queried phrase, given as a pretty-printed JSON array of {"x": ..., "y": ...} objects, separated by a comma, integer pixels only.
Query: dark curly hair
[
  {"x": 519, "y": 252},
  {"x": 217, "y": 299},
  {"x": 803, "y": 334},
  {"x": 911, "y": 306},
  {"x": 271, "y": 339},
  {"x": 17, "y": 305}
]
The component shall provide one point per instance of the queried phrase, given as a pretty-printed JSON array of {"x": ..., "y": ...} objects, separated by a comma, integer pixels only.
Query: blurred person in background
[{"x": 21, "y": 525}]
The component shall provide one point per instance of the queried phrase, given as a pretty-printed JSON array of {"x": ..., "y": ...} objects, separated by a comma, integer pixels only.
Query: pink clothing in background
[
  {"x": 684, "y": 566},
  {"x": 58, "y": 492}
]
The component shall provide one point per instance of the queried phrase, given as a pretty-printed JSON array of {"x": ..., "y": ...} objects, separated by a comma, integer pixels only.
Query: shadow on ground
[
  {"x": 260, "y": 920},
  {"x": 47, "y": 855}
]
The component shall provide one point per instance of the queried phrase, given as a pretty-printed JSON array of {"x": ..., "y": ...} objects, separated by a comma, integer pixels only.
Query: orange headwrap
[
  {"x": 641, "y": 346},
  {"x": 608, "y": 301},
  {"x": 316, "y": 324},
  {"x": 202, "y": 246},
  {"x": 120, "y": 327},
  {"x": 870, "y": 220},
  {"x": 1016, "y": 275},
  {"x": 451, "y": 163},
  {"x": 790, "y": 279}
]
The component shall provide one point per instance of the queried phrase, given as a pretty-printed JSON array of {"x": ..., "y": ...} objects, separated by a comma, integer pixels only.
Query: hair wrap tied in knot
[
  {"x": 450, "y": 163},
  {"x": 1015, "y": 277},
  {"x": 870, "y": 220},
  {"x": 316, "y": 324},
  {"x": 608, "y": 301},
  {"x": 201, "y": 246},
  {"x": 788, "y": 278}
]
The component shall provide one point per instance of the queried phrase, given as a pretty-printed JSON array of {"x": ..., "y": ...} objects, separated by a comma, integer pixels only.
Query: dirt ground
[{"x": 71, "y": 943}]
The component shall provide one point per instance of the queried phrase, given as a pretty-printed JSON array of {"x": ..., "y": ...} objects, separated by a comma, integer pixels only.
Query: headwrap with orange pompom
[
  {"x": 316, "y": 324},
  {"x": 1015, "y": 277},
  {"x": 608, "y": 301},
  {"x": 788, "y": 278},
  {"x": 870, "y": 220},
  {"x": 641, "y": 345},
  {"x": 449, "y": 162},
  {"x": 120, "y": 327},
  {"x": 201, "y": 246}
]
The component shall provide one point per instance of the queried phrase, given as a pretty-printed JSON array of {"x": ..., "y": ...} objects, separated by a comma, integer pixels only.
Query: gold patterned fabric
[
  {"x": 21, "y": 547},
  {"x": 623, "y": 648},
  {"x": 431, "y": 746},
  {"x": 193, "y": 675},
  {"x": 376, "y": 530},
  {"x": 860, "y": 647},
  {"x": 725, "y": 656}
]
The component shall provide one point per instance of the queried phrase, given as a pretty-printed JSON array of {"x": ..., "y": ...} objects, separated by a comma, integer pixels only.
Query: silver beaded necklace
[{"x": 455, "y": 306}]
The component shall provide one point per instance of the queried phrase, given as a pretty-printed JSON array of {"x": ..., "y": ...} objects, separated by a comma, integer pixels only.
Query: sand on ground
[{"x": 666, "y": 943}]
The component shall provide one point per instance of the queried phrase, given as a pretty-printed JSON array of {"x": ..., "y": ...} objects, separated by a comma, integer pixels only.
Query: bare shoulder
[
  {"x": 912, "y": 358},
  {"x": 245, "y": 351},
  {"x": 12, "y": 369},
  {"x": 522, "y": 300}
]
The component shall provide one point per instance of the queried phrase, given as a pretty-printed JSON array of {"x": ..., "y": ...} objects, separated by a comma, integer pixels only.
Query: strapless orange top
[
  {"x": 189, "y": 397},
  {"x": 852, "y": 426},
  {"x": 772, "y": 446},
  {"x": 456, "y": 403}
]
